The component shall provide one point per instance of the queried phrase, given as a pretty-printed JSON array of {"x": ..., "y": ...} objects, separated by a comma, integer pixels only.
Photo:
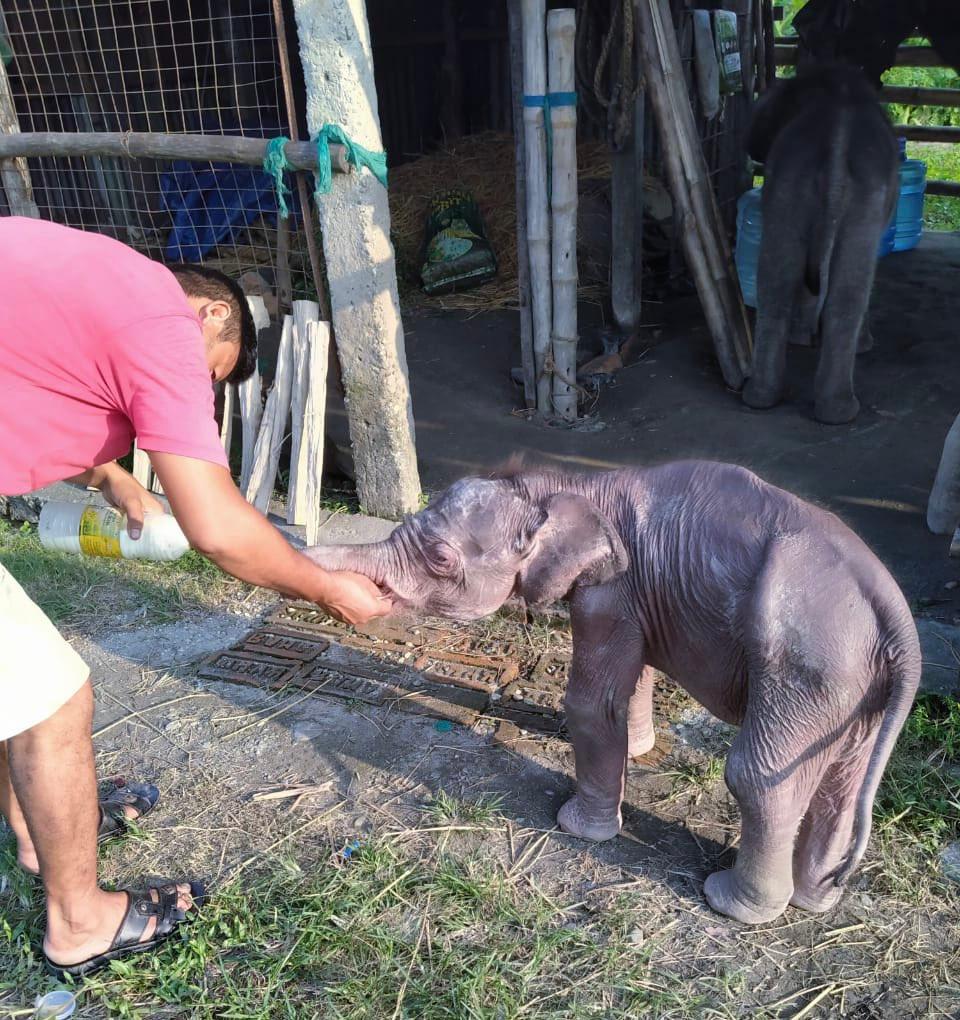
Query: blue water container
[
  {"x": 747, "y": 253},
  {"x": 913, "y": 186}
]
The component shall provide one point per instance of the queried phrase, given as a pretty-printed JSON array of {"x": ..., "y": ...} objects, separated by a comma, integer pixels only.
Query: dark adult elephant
[
  {"x": 831, "y": 184},
  {"x": 769, "y": 611}
]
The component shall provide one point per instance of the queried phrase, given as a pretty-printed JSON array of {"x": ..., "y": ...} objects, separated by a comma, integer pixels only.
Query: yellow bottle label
[{"x": 100, "y": 536}]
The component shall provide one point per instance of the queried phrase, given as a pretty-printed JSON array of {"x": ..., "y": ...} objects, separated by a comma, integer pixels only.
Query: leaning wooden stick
[
  {"x": 318, "y": 345},
  {"x": 251, "y": 399},
  {"x": 304, "y": 313},
  {"x": 266, "y": 456}
]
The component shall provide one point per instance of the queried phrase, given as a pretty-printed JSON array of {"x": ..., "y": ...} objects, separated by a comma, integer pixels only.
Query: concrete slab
[{"x": 940, "y": 648}]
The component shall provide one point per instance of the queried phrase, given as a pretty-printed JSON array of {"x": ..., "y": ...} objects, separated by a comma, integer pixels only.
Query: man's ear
[{"x": 575, "y": 544}]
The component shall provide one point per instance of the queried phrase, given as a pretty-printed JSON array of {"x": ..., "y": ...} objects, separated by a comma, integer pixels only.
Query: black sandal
[
  {"x": 114, "y": 823},
  {"x": 140, "y": 909}
]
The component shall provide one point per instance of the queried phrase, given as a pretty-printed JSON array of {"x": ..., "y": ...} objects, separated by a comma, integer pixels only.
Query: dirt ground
[{"x": 890, "y": 950}]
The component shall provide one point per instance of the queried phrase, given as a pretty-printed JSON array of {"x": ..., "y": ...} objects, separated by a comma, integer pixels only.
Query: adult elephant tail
[{"x": 903, "y": 666}]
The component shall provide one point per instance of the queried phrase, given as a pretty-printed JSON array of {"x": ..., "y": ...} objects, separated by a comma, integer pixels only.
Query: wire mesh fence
[{"x": 170, "y": 66}]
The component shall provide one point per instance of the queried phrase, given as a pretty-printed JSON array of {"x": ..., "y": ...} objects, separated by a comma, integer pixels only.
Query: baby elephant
[
  {"x": 831, "y": 184},
  {"x": 769, "y": 611}
]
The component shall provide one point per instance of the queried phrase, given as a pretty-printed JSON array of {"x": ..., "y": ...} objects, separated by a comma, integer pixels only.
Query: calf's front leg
[{"x": 607, "y": 660}]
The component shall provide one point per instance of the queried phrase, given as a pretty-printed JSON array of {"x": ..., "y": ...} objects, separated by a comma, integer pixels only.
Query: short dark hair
[{"x": 203, "y": 282}]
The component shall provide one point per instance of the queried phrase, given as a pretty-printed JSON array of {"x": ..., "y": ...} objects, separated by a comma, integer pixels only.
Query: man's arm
[{"x": 222, "y": 525}]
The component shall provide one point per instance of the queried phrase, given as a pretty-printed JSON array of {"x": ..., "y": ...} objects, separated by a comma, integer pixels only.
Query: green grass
[
  {"x": 403, "y": 929},
  {"x": 79, "y": 590},
  {"x": 920, "y": 794}
]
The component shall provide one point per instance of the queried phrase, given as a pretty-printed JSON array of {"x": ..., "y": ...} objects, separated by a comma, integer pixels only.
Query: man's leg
[
  {"x": 52, "y": 772},
  {"x": 10, "y": 809}
]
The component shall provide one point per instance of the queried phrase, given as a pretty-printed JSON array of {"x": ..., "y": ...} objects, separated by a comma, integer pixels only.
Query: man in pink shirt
[{"x": 99, "y": 345}]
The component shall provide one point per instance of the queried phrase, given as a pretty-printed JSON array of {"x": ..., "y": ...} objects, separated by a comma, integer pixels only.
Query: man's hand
[
  {"x": 122, "y": 491},
  {"x": 354, "y": 598}
]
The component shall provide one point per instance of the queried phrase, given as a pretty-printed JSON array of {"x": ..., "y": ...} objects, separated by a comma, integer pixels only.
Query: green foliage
[{"x": 920, "y": 795}]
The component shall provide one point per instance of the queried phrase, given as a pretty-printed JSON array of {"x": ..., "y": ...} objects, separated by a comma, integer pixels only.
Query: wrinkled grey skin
[
  {"x": 769, "y": 611},
  {"x": 831, "y": 183}
]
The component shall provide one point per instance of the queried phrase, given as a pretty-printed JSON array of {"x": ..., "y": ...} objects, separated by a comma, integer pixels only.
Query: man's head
[{"x": 229, "y": 334}]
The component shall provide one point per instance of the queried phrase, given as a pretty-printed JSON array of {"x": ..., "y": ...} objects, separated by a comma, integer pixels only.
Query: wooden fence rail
[{"x": 907, "y": 56}]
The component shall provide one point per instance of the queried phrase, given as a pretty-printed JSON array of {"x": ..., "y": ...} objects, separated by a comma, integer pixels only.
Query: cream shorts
[{"x": 39, "y": 671}]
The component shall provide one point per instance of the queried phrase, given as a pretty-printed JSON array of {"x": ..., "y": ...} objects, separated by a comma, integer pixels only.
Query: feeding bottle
[{"x": 102, "y": 531}]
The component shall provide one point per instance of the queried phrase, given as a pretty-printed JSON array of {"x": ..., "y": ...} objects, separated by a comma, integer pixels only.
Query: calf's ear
[{"x": 574, "y": 545}]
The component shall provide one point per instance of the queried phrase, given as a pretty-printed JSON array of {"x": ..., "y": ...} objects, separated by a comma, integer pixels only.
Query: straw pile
[{"x": 484, "y": 165}]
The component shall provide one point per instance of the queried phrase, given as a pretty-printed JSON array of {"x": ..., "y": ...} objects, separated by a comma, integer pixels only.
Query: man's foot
[
  {"x": 115, "y": 925},
  {"x": 121, "y": 805}
]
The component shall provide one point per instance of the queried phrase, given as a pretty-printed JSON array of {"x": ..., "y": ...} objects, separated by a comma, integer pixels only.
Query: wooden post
[
  {"x": 226, "y": 421},
  {"x": 451, "y": 75},
  {"x": 561, "y": 35},
  {"x": 304, "y": 313},
  {"x": 361, "y": 267},
  {"x": 13, "y": 172},
  {"x": 704, "y": 241},
  {"x": 318, "y": 342},
  {"x": 141, "y": 466},
  {"x": 266, "y": 457},
  {"x": 251, "y": 399},
  {"x": 523, "y": 255},
  {"x": 538, "y": 209}
]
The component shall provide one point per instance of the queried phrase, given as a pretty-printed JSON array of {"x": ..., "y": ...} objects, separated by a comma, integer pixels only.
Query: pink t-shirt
[{"x": 97, "y": 346}]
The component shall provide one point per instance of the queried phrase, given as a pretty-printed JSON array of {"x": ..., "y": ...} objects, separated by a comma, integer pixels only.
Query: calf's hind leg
[
  {"x": 772, "y": 785},
  {"x": 826, "y": 833}
]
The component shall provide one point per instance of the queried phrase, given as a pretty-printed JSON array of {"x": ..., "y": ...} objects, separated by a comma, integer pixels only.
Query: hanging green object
[
  {"x": 457, "y": 254},
  {"x": 726, "y": 34}
]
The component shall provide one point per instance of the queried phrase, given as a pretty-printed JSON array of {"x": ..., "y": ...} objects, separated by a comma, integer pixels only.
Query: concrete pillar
[{"x": 361, "y": 270}]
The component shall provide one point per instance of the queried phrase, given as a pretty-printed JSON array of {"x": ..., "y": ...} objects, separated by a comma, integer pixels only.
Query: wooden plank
[
  {"x": 304, "y": 312},
  {"x": 141, "y": 466},
  {"x": 907, "y": 56},
  {"x": 920, "y": 97},
  {"x": 14, "y": 174},
  {"x": 226, "y": 422},
  {"x": 273, "y": 427},
  {"x": 251, "y": 399},
  {"x": 928, "y": 133},
  {"x": 318, "y": 344},
  {"x": 950, "y": 189},
  {"x": 148, "y": 145},
  {"x": 523, "y": 257}
]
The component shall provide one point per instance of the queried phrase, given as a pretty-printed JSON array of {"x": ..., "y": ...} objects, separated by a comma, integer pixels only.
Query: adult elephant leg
[
  {"x": 773, "y": 787},
  {"x": 943, "y": 506},
  {"x": 779, "y": 280},
  {"x": 640, "y": 734},
  {"x": 826, "y": 832},
  {"x": 607, "y": 659},
  {"x": 842, "y": 319}
]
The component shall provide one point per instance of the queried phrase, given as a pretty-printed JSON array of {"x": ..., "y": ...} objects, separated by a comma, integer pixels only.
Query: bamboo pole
[
  {"x": 251, "y": 399},
  {"x": 318, "y": 345},
  {"x": 151, "y": 145},
  {"x": 523, "y": 256},
  {"x": 561, "y": 35},
  {"x": 304, "y": 312},
  {"x": 273, "y": 427},
  {"x": 538, "y": 212},
  {"x": 704, "y": 242},
  {"x": 14, "y": 174}
]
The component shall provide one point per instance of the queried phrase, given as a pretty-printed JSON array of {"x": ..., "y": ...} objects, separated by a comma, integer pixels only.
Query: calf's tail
[{"x": 903, "y": 666}]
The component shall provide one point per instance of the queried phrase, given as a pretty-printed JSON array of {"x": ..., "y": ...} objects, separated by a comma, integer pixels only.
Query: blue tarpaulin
[{"x": 212, "y": 203}]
